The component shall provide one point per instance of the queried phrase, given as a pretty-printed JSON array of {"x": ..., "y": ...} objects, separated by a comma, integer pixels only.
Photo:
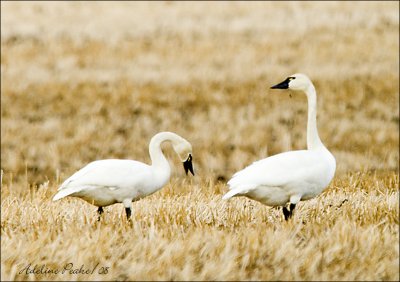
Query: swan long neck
[
  {"x": 313, "y": 140},
  {"x": 157, "y": 157}
]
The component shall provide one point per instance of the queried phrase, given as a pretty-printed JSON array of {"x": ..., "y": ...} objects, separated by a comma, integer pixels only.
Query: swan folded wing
[
  {"x": 79, "y": 174},
  {"x": 108, "y": 173},
  {"x": 278, "y": 170}
]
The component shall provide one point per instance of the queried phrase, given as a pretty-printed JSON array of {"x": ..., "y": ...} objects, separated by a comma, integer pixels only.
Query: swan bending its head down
[
  {"x": 106, "y": 182},
  {"x": 290, "y": 176}
]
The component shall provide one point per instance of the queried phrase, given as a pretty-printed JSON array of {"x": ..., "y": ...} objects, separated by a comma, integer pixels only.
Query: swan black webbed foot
[
  {"x": 288, "y": 212},
  {"x": 99, "y": 211}
]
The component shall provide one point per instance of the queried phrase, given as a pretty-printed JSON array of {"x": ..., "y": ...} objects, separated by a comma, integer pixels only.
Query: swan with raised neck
[{"x": 289, "y": 177}]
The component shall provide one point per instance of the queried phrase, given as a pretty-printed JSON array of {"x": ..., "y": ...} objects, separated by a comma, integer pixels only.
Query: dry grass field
[{"x": 84, "y": 81}]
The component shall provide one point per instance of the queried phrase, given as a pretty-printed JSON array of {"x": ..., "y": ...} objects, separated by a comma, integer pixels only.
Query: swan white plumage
[
  {"x": 106, "y": 182},
  {"x": 290, "y": 176}
]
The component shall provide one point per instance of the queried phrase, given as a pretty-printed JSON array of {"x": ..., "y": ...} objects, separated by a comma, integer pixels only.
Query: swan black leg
[
  {"x": 99, "y": 211},
  {"x": 128, "y": 213},
  {"x": 288, "y": 212},
  {"x": 292, "y": 206}
]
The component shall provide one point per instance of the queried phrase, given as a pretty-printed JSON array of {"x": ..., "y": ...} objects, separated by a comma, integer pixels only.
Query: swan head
[
  {"x": 296, "y": 81},
  {"x": 184, "y": 150}
]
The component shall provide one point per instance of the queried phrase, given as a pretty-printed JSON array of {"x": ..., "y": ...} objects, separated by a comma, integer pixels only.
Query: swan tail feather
[
  {"x": 65, "y": 192},
  {"x": 232, "y": 193}
]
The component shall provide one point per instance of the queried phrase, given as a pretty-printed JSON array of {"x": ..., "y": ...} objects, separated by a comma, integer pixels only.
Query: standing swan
[
  {"x": 106, "y": 182},
  {"x": 289, "y": 176}
]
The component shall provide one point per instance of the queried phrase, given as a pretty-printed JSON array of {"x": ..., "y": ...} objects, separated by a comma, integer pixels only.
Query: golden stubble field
[{"x": 85, "y": 81}]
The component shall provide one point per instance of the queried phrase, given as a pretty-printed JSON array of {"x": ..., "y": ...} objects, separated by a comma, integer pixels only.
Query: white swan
[
  {"x": 106, "y": 182},
  {"x": 289, "y": 176}
]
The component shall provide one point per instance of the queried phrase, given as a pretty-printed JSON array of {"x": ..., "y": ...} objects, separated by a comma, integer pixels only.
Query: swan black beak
[
  {"x": 283, "y": 85},
  {"x": 187, "y": 165}
]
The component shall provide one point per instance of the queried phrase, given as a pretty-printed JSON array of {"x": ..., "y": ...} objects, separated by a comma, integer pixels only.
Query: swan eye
[{"x": 291, "y": 78}]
